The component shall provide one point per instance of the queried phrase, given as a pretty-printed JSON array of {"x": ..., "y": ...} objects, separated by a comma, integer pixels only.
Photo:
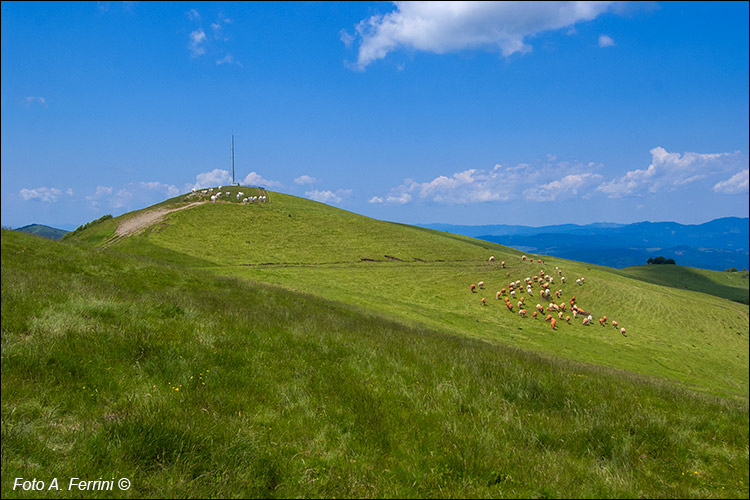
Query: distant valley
[{"x": 716, "y": 245}]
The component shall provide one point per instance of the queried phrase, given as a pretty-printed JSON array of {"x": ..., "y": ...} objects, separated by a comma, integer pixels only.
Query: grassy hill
[
  {"x": 421, "y": 277},
  {"x": 51, "y": 233},
  {"x": 196, "y": 385},
  {"x": 729, "y": 285}
]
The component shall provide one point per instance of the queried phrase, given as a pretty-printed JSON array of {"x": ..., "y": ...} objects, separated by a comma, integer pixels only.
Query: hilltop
[
  {"x": 421, "y": 277},
  {"x": 43, "y": 231}
]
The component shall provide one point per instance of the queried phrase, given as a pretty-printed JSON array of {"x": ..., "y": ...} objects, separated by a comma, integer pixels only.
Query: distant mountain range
[
  {"x": 717, "y": 245},
  {"x": 51, "y": 233}
]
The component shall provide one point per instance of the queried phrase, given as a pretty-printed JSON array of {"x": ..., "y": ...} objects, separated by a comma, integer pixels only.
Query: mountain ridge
[
  {"x": 42, "y": 230},
  {"x": 717, "y": 244}
]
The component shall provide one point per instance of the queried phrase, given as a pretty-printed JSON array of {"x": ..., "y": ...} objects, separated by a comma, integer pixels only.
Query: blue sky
[{"x": 466, "y": 113}]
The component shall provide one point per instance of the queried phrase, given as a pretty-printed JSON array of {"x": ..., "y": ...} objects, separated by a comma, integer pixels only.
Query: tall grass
[{"x": 193, "y": 385}]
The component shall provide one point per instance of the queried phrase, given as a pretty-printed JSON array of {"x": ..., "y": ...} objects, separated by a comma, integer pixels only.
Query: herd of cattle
[{"x": 554, "y": 312}]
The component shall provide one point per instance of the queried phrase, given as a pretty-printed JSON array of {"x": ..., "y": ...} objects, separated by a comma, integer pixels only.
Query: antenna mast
[{"x": 232, "y": 158}]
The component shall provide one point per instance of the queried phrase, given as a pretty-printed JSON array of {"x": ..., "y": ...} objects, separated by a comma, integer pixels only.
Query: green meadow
[
  {"x": 730, "y": 285},
  {"x": 291, "y": 349},
  {"x": 422, "y": 277}
]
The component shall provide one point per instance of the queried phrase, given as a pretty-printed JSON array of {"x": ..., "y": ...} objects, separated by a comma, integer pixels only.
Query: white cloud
[
  {"x": 197, "y": 40},
  {"x": 218, "y": 26},
  {"x": 606, "y": 41},
  {"x": 567, "y": 187},
  {"x": 121, "y": 198},
  {"x": 169, "y": 190},
  {"x": 42, "y": 193},
  {"x": 221, "y": 177},
  {"x": 32, "y": 99},
  {"x": 228, "y": 59},
  {"x": 101, "y": 191},
  {"x": 669, "y": 171},
  {"x": 736, "y": 184},
  {"x": 255, "y": 179},
  {"x": 395, "y": 198},
  {"x": 305, "y": 179},
  {"x": 329, "y": 196},
  {"x": 216, "y": 177},
  {"x": 347, "y": 38},
  {"x": 546, "y": 181},
  {"x": 442, "y": 27},
  {"x": 212, "y": 40}
]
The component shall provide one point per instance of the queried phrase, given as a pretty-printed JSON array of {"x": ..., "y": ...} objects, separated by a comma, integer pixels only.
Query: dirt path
[{"x": 146, "y": 219}]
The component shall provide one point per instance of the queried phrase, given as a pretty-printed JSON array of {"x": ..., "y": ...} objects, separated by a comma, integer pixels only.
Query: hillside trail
[{"x": 143, "y": 220}]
